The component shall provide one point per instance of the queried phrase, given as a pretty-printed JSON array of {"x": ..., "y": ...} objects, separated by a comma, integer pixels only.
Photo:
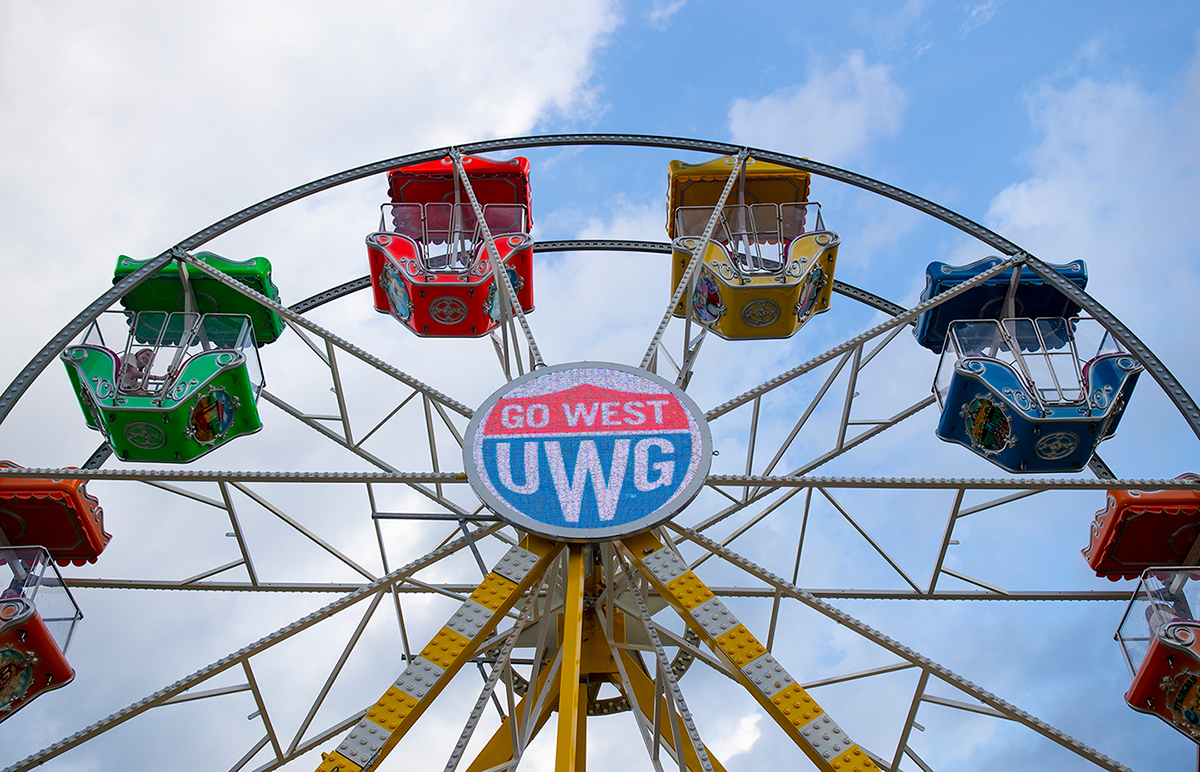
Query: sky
[{"x": 1071, "y": 129}]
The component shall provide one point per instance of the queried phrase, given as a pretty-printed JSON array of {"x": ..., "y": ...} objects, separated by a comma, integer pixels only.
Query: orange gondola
[
  {"x": 1140, "y": 529},
  {"x": 59, "y": 515}
]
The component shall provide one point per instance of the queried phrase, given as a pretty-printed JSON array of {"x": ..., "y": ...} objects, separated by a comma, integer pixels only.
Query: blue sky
[{"x": 1073, "y": 129}]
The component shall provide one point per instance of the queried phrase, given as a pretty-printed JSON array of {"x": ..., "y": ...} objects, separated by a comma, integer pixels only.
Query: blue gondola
[
  {"x": 1032, "y": 395},
  {"x": 1032, "y": 298}
]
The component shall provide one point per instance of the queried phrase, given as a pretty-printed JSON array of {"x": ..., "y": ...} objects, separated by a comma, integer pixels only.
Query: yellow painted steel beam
[
  {"x": 569, "y": 719},
  {"x": 580, "y": 718},
  {"x": 784, "y": 700},
  {"x": 395, "y": 713},
  {"x": 643, "y": 689}
]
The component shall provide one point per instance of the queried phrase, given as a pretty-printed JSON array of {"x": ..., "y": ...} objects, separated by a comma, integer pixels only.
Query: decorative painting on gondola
[
  {"x": 211, "y": 416},
  {"x": 431, "y": 260},
  {"x": 162, "y": 423},
  {"x": 765, "y": 260},
  {"x": 491, "y": 305},
  {"x": 16, "y": 675},
  {"x": 397, "y": 295},
  {"x": 988, "y": 425},
  {"x": 1182, "y": 699},
  {"x": 144, "y": 435},
  {"x": 1141, "y": 529},
  {"x": 1022, "y": 392},
  {"x": 810, "y": 292},
  {"x": 706, "y": 301}
]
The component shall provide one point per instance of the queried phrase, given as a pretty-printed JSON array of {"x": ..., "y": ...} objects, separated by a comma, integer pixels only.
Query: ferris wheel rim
[
  {"x": 12, "y": 394},
  {"x": 1178, "y": 395}
]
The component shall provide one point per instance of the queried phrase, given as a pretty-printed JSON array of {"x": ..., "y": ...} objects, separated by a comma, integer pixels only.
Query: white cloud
[
  {"x": 138, "y": 125},
  {"x": 979, "y": 15},
  {"x": 133, "y": 126},
  {"x": 834, "y": 117},
  {"x": 661, "y": 12},
  {"x": 1115, "y": 181},
  {"x": 738, "y": 737},
  {"x": 890, "y": 30}
]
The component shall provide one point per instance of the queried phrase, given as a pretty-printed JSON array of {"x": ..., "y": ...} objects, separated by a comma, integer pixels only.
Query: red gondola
[
  {"x": 430, "y": 267},
  {"x": 37, "y": 618},
  {"x": 1160, "y": 638}
]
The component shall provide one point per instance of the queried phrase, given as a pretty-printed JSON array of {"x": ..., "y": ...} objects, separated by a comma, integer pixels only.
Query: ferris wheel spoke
[
  {"x": 1026, "y": 485},
  {"x": 329, "y": 338},
  {"x": 262, "y": 707},
  {"x": 652, "y": 703},
  {"x": 876, "y": 428},
  {"x": 756, "y": 494},
  {"x": 299, "y": 527},
  {"x": 395, "y": 713},
  {"x": 792, "y": 486},
  {"x": 840, "y": 509},
  {"x": 857, "y": 361},
  {"x": 665, "y": 681},
  {"x": 754, "y": 666},
  {"x": 944, "y": 546},
  {"x": 674, "y": 639},
  {"x": 504, "y": 749},
  {"x": 1173, "y": 389},
  {"x": 508, "y": 293},
  {"x": 896, "y": 321},
  {"x": 687, "y": 280},
  {"x": 800, "y": 422},
  {"x": 627, "y": 669},
  {"x": 438, "y": 478},
  {"x": 176, "y": 690},
  {"x": 203, "y": 580},
  {"x": 944, "y": 674},
  {"x": 493, "y": 679},
  {"x": 867, "y": 537},
  {"x": 184, "y": 493},
  {"x": 313, "y": 422},
  {"x": 312, "y": 743}
]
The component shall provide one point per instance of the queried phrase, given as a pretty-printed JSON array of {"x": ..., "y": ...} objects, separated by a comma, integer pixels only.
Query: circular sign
[{"x": 587, "y": 451}]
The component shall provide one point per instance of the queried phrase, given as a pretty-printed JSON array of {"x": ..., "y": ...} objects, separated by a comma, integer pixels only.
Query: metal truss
[{"x": 776, "y": 482}]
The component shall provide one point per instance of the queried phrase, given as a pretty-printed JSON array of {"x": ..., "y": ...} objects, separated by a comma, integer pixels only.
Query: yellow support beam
[
  {"x": 569, "y": 718},
  {"x": 784, "y": 700},
  {"x": 395, "y": 713}
]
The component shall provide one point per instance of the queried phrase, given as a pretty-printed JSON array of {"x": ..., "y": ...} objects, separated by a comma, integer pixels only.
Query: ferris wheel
[{"x": 518, "y": 515}]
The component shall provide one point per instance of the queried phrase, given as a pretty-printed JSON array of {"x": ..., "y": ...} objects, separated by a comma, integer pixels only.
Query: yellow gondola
[{"x": 769, "y": 266}]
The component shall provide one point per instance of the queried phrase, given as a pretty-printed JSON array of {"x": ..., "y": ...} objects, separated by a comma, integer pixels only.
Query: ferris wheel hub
[{"x": 587, "y": 451}]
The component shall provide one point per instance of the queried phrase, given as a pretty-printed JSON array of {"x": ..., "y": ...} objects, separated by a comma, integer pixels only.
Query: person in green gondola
[{"x": 133, "y": 378}]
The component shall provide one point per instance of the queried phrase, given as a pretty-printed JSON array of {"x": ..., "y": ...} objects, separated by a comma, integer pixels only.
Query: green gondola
[
  {"x": 186, "y": 384},
  {"x": 165, "y": 291}
]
